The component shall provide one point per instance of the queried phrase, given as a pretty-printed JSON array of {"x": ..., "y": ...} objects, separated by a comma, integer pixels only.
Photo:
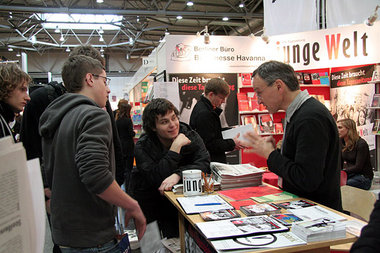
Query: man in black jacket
[
  {"x": 205, "y": 120},
  {"x": 167, "y": 148},
  {"x": 308, "y": 162}
]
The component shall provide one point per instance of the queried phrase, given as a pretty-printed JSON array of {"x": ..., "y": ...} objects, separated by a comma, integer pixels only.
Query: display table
[{"x": 187, "y": 225}]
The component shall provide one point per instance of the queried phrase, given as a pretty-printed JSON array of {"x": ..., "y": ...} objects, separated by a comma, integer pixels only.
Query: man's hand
[
  {"x": 180, "y": 141},
  {"x": 139, "y": 219},
  {"x": 169, "y": 182},
  {"x": 259, "y": 145},
  {"x": 238, "y": 143}
]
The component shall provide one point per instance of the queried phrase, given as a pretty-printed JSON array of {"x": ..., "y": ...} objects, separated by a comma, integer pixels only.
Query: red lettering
[{"x": 333, "y": 45}]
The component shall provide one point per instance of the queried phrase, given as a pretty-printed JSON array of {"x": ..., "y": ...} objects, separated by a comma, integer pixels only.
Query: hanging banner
[{"x": 354, "y": 76}]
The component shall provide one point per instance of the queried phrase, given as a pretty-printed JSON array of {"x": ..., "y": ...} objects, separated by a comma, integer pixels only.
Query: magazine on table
[
  {"x": 296, "y": 204},
  {"x": 275, "y": 197},
  {"x": 267, "y": 241},
  {"x": 223, "y": 214},
  {"x": 286, "y": 219},
  {"x": 260, "y": 209},
  {"x": 240, "y": 227}
]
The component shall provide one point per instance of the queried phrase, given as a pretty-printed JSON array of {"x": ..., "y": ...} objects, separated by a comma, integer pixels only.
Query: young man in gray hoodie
[{"x": 79, "y": 162}]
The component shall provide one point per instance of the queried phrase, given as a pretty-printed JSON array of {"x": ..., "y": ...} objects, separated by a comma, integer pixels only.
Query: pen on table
[{"x": 207, "y": 204}]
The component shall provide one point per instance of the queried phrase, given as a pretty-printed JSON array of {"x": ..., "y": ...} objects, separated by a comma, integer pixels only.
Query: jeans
[
  {"x": 359, "y": 181},
  {"x": 109, "y": 247}
]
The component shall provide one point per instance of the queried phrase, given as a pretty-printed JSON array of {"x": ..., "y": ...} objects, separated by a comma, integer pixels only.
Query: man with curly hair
[{"x": 13, "y": 95}]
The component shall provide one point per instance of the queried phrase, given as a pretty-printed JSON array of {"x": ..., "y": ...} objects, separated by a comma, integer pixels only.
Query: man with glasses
[
  {"x": 205, "y": 120},
  {"x": 308, "y": 162},
  {"x": 79, "y": 163}
]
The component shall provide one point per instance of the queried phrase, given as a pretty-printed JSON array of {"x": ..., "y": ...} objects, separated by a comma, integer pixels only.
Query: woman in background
[
  {"x": 124, "y": 126},
  {"x": 355, "y": 155}
]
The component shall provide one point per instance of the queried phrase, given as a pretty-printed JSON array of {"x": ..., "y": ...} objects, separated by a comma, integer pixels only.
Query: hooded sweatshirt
[{"x": 78, "y": 164}]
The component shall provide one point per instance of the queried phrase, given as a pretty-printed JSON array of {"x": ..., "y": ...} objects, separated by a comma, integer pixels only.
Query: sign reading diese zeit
[{"x": 336, "y": 47}]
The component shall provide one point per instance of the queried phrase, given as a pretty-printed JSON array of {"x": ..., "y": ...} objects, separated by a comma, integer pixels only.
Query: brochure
[
  {"x": 275, "y": 197},
  {"x": 260, "y": 209},
  {"x": 296, "y": 204},
  {"x": 219, "y": 215},
  {"x": 199, "y": 204},
  {"x": 316, "y": 212},
  {"x": 286, "y": 219}
]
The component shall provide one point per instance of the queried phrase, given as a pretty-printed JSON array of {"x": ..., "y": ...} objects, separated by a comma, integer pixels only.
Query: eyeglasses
[
  {"x": 260, "y": 93},
  {"x": 106, "y": 79}
]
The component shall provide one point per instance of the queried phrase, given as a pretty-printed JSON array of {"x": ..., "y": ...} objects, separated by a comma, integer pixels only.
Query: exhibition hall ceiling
[{"x": 132, "y": 27}]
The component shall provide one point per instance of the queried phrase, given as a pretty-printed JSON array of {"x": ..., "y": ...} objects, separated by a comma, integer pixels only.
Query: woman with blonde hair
[
  {"x": 355, "y": 155},
  {"x": 124, "y": 126}
]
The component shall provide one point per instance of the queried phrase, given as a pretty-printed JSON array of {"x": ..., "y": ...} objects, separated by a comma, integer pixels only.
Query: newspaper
[
  {"x": 22, "y": 220},
  {"x": 266, "y": 241}
]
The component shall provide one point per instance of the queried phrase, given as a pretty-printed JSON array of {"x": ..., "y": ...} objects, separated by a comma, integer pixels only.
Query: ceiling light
[
  {"x": 33, "y": 39},
  {"x": 101, "y": 39},
  {"x": 128, "y": 56},
  {"x": 138, "y": 19},
  {"x": 100, "y": 30},
  {"x": 252, "y": 36},
  {"x": 131, "y": 40},
  {"x": 241, "y": 5},
  {"x": 225, "y": 19},
  {"x": 10, "y": 49},
  {"x": 61, "y": 38},
  {"x": 189, "y": 3},
  {"x": 207, "y": 38},
  {"x": 179, "y": 17},
  {"x": 205, "y": 34},
  {"x": 68, "y": 49},
  {"x": 101, "y": 50},
  {"x": 57, "y": 30},
  {"x": 99, "y": 1},
  {"x": 162, "y": 39},
  {"x": 18, "y": 54},
  {"x": 371, "y": 19},
  {"x": 167, "y": 32}
]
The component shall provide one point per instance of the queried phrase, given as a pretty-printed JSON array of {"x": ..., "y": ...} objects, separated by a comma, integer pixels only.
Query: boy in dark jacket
[{"x": 167, "y": 148}]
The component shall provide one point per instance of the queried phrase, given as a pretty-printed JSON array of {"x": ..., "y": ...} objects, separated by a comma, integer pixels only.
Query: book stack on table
[{"x": 236, "y": 175}]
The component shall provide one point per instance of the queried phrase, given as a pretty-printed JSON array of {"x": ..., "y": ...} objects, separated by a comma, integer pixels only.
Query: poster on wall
[
  {"x": 191, "y": 87},
  {"x": 351, "y": 96}
]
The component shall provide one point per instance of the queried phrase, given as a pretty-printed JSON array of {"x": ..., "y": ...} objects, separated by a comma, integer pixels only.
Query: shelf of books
[{"x": 316, "y": 82}]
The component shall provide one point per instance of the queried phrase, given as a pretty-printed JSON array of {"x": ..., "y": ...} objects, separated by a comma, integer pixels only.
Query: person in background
[
  {"x": 77, "y": 147},
  {"x": 13, "y": 95},
  {"x": 166, "y": 148},
  {"x": 355, "y": 155},
  {"x": 308, "y": 162},
  {"x": 124, "y": 126},
  {"x": 205, "y": 120}
]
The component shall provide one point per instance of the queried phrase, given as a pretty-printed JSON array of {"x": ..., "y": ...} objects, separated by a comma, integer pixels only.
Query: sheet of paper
[
  {"x": 231, "y": 133},
  {"x": 199, "y": 204},
  {"x": 316, "y": 212},
  {"x": 151, "y": 241},
  {"x": 247, "y": 192}
]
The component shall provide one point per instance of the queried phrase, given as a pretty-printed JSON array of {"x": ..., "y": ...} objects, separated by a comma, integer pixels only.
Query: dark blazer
[{"x": 205, "y": 120}]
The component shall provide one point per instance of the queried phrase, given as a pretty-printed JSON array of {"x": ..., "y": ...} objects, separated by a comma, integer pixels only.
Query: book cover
[
  {"x": 307, "y": 78},
  {"x": 278, "y": 128},
  {"x": 243, "y": 103},
  {"x": 275, "y": 197},
  {"x": 296, "y": 204},
  {"x": 300, "y": 77},
  {"x": 315, "y": 78},
  {"x": 219, "y": 215},
  {"x": 376, "y": 100},
  {"x": 286, "y": 219},
  {"x": 260, "y": 209},
  {"x": 266, "y": 124},
  {"x": 253, "y": 101},
  {"x": 244, "y": 80},
  {"x": 376, "y": 126},
  {"x": 324, "y": 78}
]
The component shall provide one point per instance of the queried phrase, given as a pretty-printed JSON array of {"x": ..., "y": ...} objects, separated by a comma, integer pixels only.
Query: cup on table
[{"x": 192, "y": 182}]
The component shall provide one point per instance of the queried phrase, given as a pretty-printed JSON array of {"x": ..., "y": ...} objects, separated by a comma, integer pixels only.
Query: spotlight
[
  {"x": 33, "y": 39},
  {"x": 265, "y": 37},
  {"x": 101, "y": 50},
  {"x": 371, "y": 19},
  {"x": 189, "y": 3},
  {"x": 57, "y": 30},
  {"x": 162, "y": 39},
  {"x": 207, "y": 38},
  {"x": 100, "y": 30},
  {"x": 167, "y": 32},
  {"x": 68, "y": 49},
  {"x": 179, "y": 17},
  {"x": 206, "y": 35},
  {"x": 225, "y": 19},
  {"x": 241, "y": 5},
  {"x": 10, "y": 49},
  {"x": 101, "y": 39},
  {"x": 18, "y": 54},
  {"x": 128, "y": 56},
  {"x": 61, "y": 38}
]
